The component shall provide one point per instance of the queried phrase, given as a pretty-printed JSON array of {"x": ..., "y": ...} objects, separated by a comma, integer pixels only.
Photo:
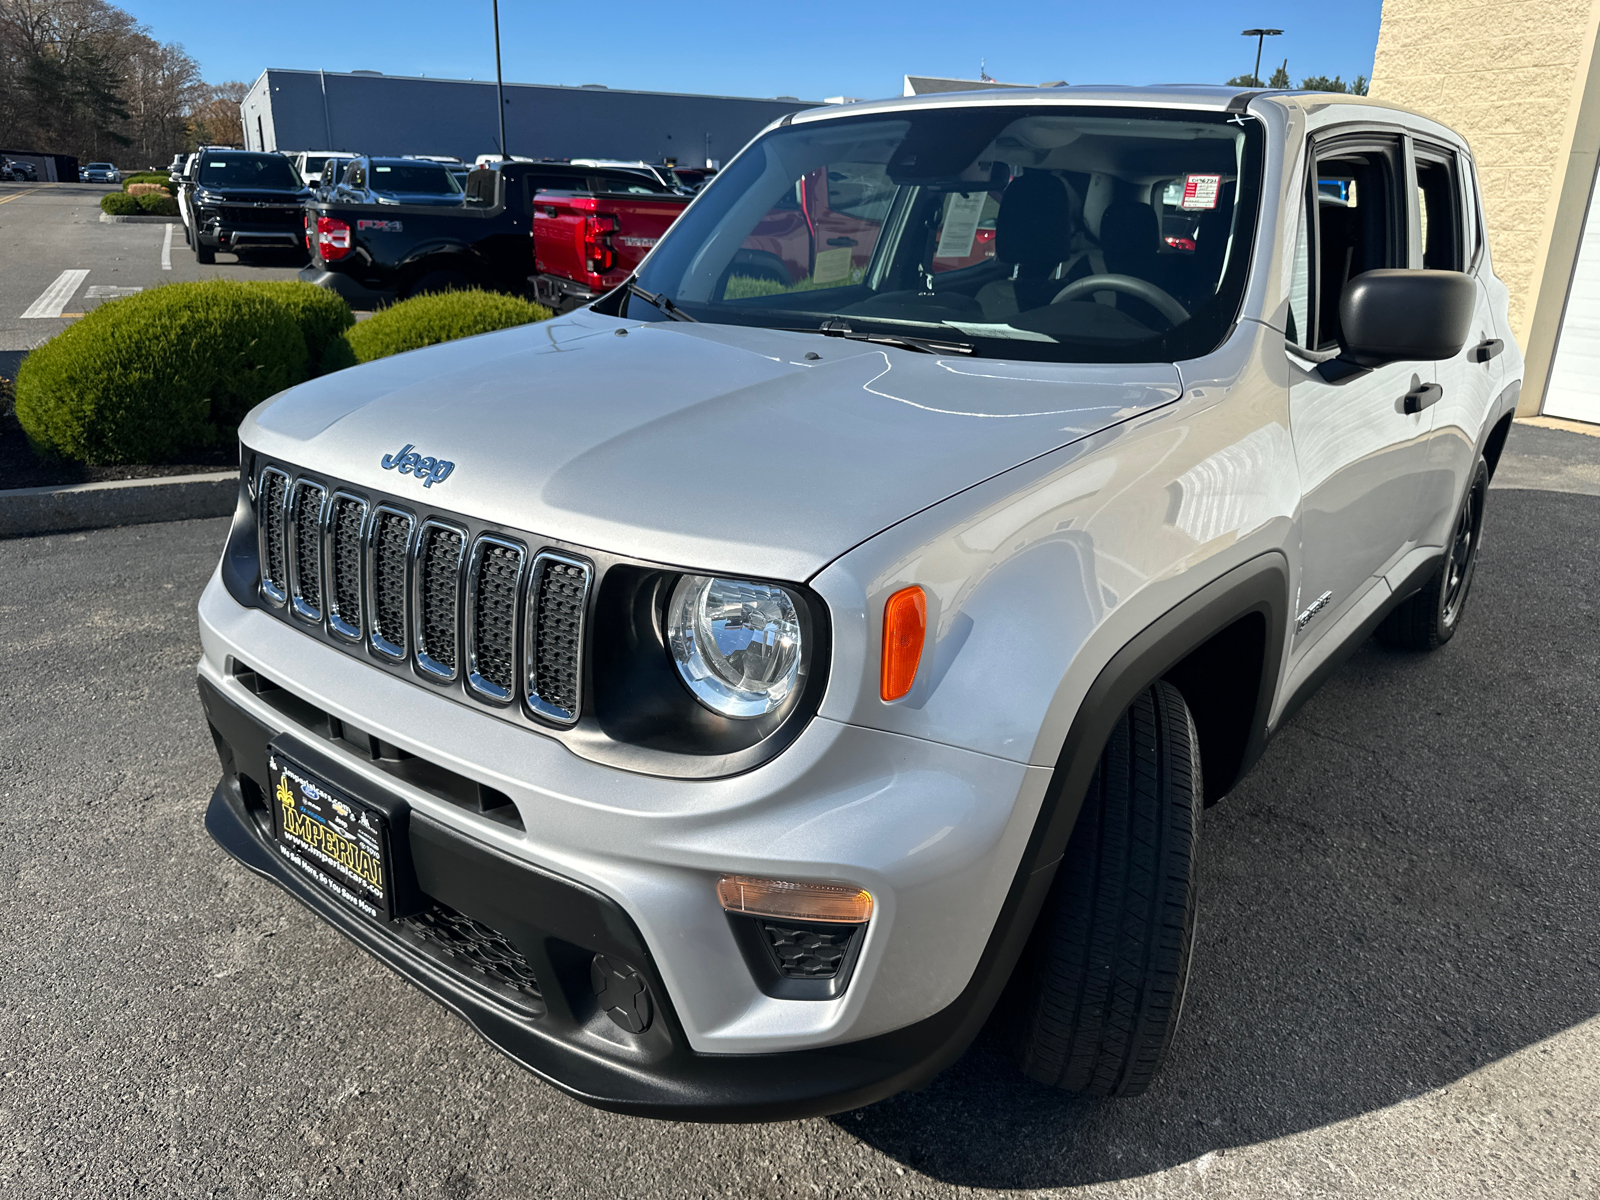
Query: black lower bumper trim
[{"x": 560, "y": 926}]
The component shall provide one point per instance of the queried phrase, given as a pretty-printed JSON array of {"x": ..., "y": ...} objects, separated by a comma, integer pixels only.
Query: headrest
[{"x": 1034, "y": 224}]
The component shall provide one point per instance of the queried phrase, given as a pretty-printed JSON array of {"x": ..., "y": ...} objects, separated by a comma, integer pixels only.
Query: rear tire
[
  {"x": 1429, "y": 618},
  {"x": 1100, "y": 989}
]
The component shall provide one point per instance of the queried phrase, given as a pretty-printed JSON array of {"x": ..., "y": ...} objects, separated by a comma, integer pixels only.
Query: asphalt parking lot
[
  {"x": 49, "y": 229},
  {"x": 1396, "y": 990}
]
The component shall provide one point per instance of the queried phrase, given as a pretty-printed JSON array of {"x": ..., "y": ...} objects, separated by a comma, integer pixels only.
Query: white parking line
[
  {"x": 54, "y": 298},
  {"x": 166, "y": 250}
]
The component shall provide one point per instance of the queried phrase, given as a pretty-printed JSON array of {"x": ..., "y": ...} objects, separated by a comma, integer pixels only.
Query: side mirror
[{"x": 1404, "y": 316}]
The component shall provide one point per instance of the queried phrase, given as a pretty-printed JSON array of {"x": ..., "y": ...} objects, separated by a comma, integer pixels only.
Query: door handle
[
  {"x": 1485, "y": 350},
  {"x": 842, "y": 241},
  {"x": 1423, "y": 396}
]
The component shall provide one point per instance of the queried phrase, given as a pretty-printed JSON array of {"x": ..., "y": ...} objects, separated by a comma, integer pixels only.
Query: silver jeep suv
[{"x": 729, "y": 697}]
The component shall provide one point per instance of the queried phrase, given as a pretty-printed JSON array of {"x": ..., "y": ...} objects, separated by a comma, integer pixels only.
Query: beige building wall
[{"x": 1517, "y": 78}]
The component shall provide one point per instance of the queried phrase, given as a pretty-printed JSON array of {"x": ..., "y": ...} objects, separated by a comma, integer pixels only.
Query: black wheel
[
  {"x": 1100, "y": 988},
  {"x": 204, "y": 254},
  {"x": 1429, "y": 619},
  {"x": 440, "y": 281}
]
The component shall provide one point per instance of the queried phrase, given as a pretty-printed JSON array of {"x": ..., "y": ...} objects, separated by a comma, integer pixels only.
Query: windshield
[
  {"x": 1044, "y": 232},
  {"x": 248, "y": 171},
  {"x": 415, "y": 178}
]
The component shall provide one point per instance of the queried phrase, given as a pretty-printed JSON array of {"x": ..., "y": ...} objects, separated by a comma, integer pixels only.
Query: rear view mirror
[{"x": 1405, "y": 316}]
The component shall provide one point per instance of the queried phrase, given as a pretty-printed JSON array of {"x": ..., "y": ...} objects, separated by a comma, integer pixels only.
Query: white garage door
[{"x": 1574, "y": 390}]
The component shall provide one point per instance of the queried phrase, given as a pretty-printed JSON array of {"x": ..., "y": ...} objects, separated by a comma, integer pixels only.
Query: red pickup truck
[{"x": 586, "y": 243}]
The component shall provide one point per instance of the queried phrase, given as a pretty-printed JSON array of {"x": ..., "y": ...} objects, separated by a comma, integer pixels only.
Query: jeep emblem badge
[{"x": 408, "y": 462}]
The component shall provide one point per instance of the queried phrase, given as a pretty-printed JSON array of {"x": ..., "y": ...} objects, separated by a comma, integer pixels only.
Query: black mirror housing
[{"x": 1404, "y": 316}]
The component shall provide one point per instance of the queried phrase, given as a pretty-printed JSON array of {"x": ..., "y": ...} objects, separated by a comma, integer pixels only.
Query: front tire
[
  {"x": 1429, "y": 618},
  {"x": 203, "y": 254},
  {"x": 1100, "y": 988}
]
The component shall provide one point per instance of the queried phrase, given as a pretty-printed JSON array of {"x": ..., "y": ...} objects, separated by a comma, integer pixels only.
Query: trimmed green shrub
[
  {"x": 158, "y": 374},
  {"x": 443, "y": 317},
  {"x": 150, "y": 177},
  {"x": 119, "y": 204},
  {"x": 157, "y": 204},
  {"x": 321, "y": 315}
]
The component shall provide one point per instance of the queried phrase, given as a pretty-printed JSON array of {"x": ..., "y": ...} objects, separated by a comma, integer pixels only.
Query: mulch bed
[{"x": 21, "y": 468}]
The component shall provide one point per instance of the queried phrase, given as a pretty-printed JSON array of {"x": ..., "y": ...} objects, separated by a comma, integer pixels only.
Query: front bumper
[{"x": 228, "y": 233}]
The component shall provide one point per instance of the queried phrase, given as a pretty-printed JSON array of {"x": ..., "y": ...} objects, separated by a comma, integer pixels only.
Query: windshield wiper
[
  {"x": 656, "y": 300},
  {"x": 922, "y": 345}
]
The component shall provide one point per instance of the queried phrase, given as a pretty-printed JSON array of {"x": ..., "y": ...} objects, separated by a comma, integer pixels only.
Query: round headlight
[{"x": 736, "y": 643}]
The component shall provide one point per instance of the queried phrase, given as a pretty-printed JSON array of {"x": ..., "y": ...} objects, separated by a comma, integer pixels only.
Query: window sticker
[
  {"x": 960, "y": 225},
  {"x": 1200, "y": 191},
  {"x": 220, "y": 164},
  {"x": 833, "y": 266},
  {"x": 382, "y": 170}
]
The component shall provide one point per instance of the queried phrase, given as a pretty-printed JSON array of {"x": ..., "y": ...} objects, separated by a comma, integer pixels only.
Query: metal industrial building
[{"x": 367, "y": 112}]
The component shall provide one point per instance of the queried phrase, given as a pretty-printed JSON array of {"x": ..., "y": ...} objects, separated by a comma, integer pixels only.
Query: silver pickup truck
[{"x": 730, "y": 696}]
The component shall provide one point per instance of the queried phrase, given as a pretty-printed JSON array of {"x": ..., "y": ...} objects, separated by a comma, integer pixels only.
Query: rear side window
[{"x": 1440, "y": 210}]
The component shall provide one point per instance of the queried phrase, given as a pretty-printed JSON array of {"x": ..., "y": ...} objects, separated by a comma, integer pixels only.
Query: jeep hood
[{"x": 721, "y": 448}]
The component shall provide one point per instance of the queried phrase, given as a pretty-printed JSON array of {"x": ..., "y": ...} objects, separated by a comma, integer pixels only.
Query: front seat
[{"x": 1033, "y": 233}]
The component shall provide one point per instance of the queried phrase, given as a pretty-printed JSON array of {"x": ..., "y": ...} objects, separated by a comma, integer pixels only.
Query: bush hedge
[
  {"x": 119, "y": 204},
  {"x": 157, "y": 204},
  {"x": 443, "y": 317},
  {"x": 155, "y": 375},
  {"x": 321, "y": 315}
]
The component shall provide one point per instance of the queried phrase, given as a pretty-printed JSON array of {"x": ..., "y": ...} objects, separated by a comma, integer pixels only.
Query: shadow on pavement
[{"x": 1404, "y": 890}]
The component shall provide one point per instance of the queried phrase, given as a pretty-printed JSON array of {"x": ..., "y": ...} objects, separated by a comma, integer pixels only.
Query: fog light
[{"x": 787, "y": 901}]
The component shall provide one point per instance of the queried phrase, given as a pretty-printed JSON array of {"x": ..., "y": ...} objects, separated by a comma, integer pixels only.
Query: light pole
[
  {"x": 500, "y": 84},
  {"x": 1260, "y": 35}
]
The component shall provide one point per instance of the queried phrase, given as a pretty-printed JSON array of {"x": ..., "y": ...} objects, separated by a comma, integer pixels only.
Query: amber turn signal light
[
  {"x": 905, "y": 625},
  {"x": 794, "y": 901}
]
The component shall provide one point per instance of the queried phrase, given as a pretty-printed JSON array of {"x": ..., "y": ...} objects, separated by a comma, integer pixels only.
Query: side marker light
[{"x": 905, "y": 626}]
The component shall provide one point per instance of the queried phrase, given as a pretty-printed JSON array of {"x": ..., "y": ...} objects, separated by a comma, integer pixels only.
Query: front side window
[
  {"x": 1040, "y": 232},
  {"x": 1356, "y": 227},
  {"x": 248, "y": 170}
]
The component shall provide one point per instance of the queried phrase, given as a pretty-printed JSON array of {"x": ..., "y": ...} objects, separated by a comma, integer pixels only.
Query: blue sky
[{"x": 809, "y": 51}]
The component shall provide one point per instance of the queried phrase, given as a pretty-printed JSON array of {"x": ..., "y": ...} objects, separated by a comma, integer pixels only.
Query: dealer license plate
[{"x": 339, "y": 843}]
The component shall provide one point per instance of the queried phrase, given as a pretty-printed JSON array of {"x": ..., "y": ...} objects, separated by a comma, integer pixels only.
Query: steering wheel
[{"x": 1139, "y": 289}]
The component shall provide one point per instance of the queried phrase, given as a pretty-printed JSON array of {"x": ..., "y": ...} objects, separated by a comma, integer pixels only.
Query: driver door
[{"x": 1362, "y": 455}]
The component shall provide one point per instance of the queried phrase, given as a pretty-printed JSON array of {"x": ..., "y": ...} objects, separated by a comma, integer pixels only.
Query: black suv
[{"x": 245, "y": 200}]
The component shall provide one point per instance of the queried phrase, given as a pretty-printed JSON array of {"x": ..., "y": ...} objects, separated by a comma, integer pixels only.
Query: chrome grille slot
[
  {"x": 305, "y": 549},
  {"x": 272, "y": 495},
  {"x": 347, "y": 520},
  {"x": 557, "y": 596},
  {"x": 388, "y": 563},
  {"x": 436, "y": 575},
  {"x": 492, "y": 583}
]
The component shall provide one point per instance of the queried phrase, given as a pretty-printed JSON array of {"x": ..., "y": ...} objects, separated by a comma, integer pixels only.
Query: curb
[
  {"x": 27, "y": 511},
  {"x": 143, "y": 219}
]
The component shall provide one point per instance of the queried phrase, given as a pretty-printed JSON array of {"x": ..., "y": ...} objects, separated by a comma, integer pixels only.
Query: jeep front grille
[
  {"x": 389, "y": 560},
  {"x": 492, "y": 585},
  {"x": 555, "y": 636},
  {"x": 305, "y": 557},
  {"x": 346, "y": 524},
  {"x": 483, "y": 613},
  {"x": 438, "y": 582},
  {"x": 271, "y": 496}
]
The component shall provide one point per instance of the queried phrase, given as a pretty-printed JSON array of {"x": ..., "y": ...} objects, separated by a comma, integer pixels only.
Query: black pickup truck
[{"x": 372, "y": 253}]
